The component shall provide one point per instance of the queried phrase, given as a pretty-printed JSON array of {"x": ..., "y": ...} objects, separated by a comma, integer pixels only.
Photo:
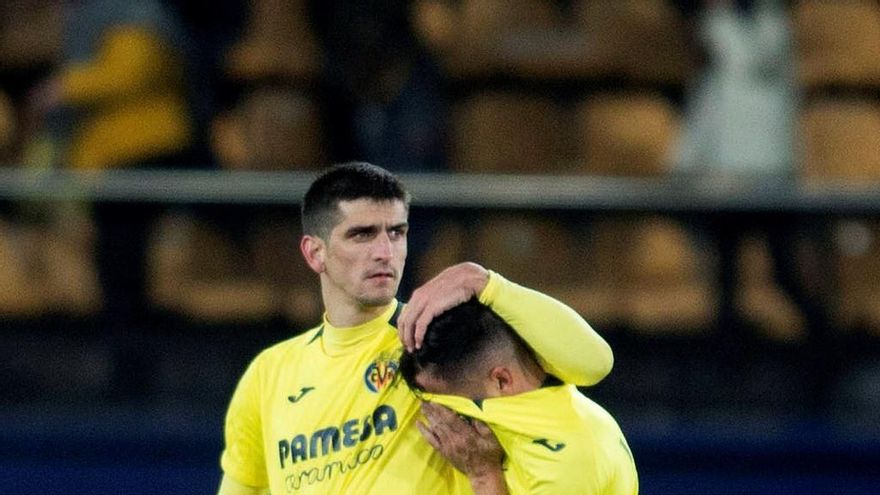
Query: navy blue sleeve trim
[
  {"x": 317, "y": 335},
  {"x": 393, "y": 320}
]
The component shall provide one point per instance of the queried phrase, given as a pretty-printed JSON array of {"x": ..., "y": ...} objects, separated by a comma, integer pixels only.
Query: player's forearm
[{"x": 566, "y": 345}]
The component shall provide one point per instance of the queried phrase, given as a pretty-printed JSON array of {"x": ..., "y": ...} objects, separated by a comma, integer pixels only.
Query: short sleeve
[{"x": 243, "y": 456}]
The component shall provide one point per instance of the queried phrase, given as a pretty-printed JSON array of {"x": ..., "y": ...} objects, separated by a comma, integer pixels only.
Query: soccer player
[
  {"x": 556, "y": 440},
  {"x": 323, "y": 412}
]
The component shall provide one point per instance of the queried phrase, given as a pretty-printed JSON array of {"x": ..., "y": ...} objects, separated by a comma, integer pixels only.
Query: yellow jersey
[
  {"x": 324, "y": 412},
  {"x": 556, "y": 440}
]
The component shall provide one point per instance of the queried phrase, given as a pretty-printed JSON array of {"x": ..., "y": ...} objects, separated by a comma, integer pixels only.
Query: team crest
[{"x": 380, "y": 374}]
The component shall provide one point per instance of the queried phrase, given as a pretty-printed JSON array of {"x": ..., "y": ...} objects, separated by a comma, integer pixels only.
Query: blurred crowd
[{"x": 702, "y": 90}]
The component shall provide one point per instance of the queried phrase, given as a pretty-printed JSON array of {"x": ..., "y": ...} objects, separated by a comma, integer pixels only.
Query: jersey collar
[{"x": 338, "y": 340}]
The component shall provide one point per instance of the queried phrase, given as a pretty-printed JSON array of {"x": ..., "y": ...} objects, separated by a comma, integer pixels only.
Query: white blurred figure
[{"x": 739, "y": 117}]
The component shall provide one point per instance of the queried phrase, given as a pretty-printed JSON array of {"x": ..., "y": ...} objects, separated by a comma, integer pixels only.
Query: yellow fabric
[
  {"x": 565, "y": 344},
  {"x": 557, "y": 442},
  {"x": 341, "y": 436},
  {"x": 133, "y": 101}
]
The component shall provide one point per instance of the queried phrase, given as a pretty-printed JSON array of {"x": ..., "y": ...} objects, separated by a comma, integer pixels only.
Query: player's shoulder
[
  {"x": 293, "y": 345},
  {"x": 600, "y": 432}
]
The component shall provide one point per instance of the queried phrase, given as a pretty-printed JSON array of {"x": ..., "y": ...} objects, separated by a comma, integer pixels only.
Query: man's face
[
  {"x": 366, "y": 251},
  {"x": 426, "y": 381}
]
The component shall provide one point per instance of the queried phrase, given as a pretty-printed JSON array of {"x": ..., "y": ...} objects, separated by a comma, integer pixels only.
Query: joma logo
[{"x": 554, "y": 447}]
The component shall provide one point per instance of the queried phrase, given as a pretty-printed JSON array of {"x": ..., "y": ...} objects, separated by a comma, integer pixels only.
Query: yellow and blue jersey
[
  {"x": 324, "y": 412},
  {"x": 556, "y": 440}
]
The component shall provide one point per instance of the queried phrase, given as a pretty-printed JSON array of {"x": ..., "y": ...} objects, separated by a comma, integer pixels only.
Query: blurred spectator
[
  {"x": 29, "y": 34},
  {"x": 30, "y": 40},
  {"x": 8, "y": 127},
  {"x": 211, "y": 27},
  {"x": 739, "y": 124},
  {"x": 383, "y": 95},
  {"x": 740, "y": 111},
  {"x": 119, "y": 100},
  {"x": 276, "y": 44}
]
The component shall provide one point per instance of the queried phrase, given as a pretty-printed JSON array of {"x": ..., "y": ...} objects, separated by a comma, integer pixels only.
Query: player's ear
[
  {"x": 502, "y": 380},
  {"x": 313, "y": 250}
]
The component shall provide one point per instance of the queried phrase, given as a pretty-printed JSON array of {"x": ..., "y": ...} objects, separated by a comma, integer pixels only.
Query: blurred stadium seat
[
  {"x": 277, "y": 44},
  {"x": 469, "y": 36},
  {"x": 510, "y": 132},
  {"x": 661, "y": 280},
  {"x": 68, "y": 251},
  {"x": 48, "y": 268},
  {"x": 837, "y": 43},
  {"x": 760, "y": 299},
  {"x": 626, "y": 133},
  {"x": 841, "y": 140},
  {"x": 533, "y": 249},
  {"x": 20, "y": 296},
  {"x": 270, "y": 129},
  {"x": 201, "y": 272},
  {"x": 642, "y": 40},
  {"x": 545, "y": 252},
  {"x": 638, "y": 39},
  {"x": 858, "y": 247},
  {"x": 277, "y": 259}
]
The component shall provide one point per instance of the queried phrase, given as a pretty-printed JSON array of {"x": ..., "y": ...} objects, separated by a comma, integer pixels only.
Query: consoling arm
[{"x": 566, "y": 345}]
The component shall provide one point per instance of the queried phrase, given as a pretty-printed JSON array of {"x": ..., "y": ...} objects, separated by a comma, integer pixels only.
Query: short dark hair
[
  {"x": 456, "y": 343},
  {"x": 346, "y": 182}
]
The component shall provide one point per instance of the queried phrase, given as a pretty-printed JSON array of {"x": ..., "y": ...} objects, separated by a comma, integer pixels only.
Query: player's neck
[
  {"x": 533, "y": 375},
  {"x": 352, "y": 315}
]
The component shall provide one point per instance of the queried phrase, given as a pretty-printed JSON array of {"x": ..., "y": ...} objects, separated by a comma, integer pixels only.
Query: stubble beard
[{"x": 378, "y": 299}]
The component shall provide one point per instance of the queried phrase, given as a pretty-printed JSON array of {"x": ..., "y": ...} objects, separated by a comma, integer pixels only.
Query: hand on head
[{"x": 453, "y": 286}]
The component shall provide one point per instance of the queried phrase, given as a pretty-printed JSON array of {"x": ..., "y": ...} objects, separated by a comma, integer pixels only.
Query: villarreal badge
[{"x": 380, "y": 374}]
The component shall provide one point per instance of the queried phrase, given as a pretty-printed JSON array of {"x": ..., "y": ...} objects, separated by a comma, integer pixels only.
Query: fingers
[
  {"x": 470, "y": 446},
  {"x": 412, "y": 323},
  {"x": 412, "y": 313},
  {"x": 424, "y": 305},
  {"x": 445, "y": 423},
  {"x": 406, "y": 321},
  {"x": 482, "y": 429},
  {"x": 404, "y": 328},
  {"x": 438, "y": 414},
  {"x": 452, "y": 286},
  {"x": 437, "y": 432},
  {"x": 429, "y": 435},
  {"x": 421, "y": 326}
]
